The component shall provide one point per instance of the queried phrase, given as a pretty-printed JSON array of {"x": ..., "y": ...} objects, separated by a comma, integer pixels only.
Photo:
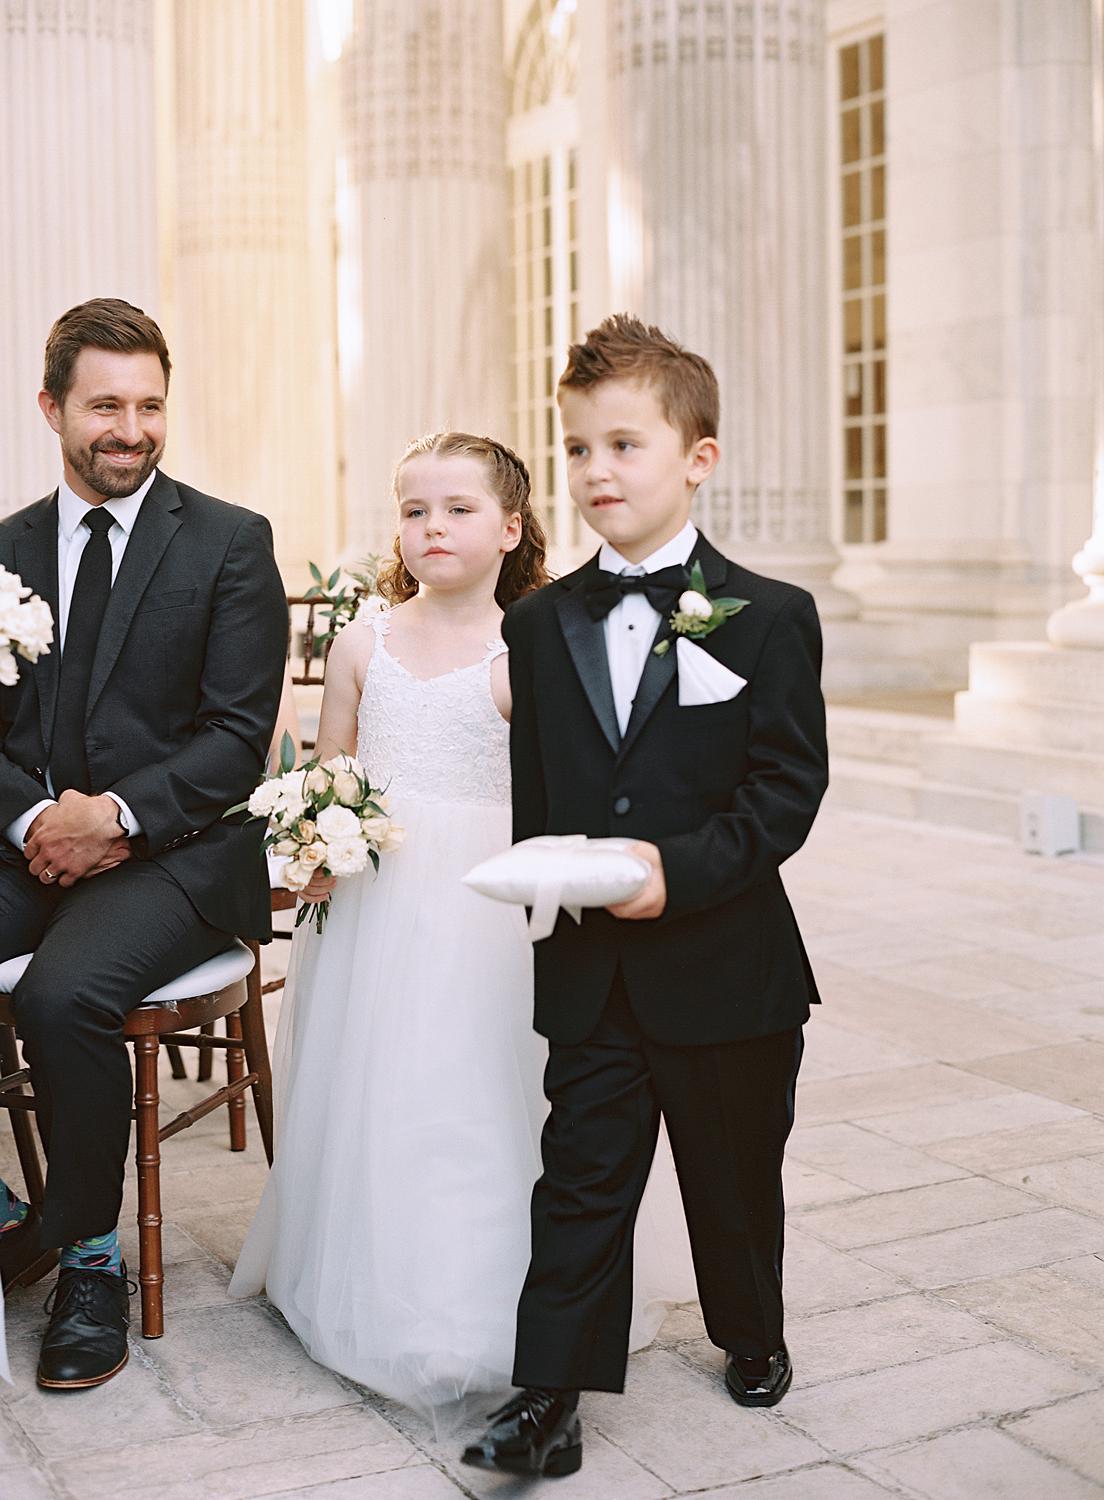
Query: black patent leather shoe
[
  {"x": 536, "y": 1433},
  {"x": 86, "y": 1339},
  {"x": 759, "y": 1390},
  {"x": 22, "y": 1259}
]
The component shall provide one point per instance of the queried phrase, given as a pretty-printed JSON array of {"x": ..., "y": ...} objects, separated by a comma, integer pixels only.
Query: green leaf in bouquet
[
  {"x": 331, "y": 582},
  {"x": 374, "y": 857},
  {"x": 697, "y": 579},
  {"x": 315, "y": 572},
  {"x": 731, "y": 606},
  {"x": 239, "y": 807},
  {"x": 287, "y": 754},
  {"x": 375, "y": 808}
]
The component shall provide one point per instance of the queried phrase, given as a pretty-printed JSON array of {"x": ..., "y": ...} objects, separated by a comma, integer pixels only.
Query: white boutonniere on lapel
[
  {"x": 697, "y": 614},
  {"x": 26, "y": 626}
]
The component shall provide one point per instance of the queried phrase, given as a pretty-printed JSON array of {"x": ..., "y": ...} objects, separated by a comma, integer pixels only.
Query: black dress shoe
[
  {"x": 86, "y": 1340},
  {"x": 537, "y": 1432},
  {"x": 22, "y": 1259},
  {"x": 748, "y": 1387}
]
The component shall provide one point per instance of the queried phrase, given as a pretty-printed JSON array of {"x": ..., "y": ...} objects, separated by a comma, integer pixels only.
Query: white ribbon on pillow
[{"x": 555, "y": 871}]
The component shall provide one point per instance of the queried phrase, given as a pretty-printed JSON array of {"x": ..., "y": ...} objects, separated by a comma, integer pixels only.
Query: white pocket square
[{"x": 702, "y": 678}]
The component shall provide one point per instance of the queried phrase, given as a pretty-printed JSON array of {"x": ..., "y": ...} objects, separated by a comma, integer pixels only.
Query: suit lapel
[
  {"x": 587, "y": 645},
  {"x": 659, "y": 671},
  {"x": 155, "y": 527},
  {"x": 36, "y": 561}
]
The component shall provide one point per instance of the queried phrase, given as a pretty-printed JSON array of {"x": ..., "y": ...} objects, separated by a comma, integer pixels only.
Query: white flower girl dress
[{"x": 393, "y": 1233}]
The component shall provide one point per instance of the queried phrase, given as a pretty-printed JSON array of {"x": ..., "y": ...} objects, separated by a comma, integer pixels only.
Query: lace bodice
[{"x": 437, "y": 740}]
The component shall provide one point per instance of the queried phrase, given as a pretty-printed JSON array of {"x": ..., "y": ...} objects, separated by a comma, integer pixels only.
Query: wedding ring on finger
[{"x": 49, "y": 876}]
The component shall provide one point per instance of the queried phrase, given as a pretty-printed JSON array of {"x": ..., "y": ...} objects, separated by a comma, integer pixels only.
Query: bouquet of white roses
[
  {"x": 26, "y": 626},
  {"x": 324, "y": 818}
]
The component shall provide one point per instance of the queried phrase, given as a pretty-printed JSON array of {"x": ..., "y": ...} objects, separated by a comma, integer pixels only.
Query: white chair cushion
[
  {"x": 567, "y": 870},
  {"x": 205, "y": 979}
]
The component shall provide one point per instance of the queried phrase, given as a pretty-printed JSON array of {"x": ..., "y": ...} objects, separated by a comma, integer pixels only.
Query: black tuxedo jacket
[
  {"x": 184, "y": 691},
  {"x": 726, "y": 790}
]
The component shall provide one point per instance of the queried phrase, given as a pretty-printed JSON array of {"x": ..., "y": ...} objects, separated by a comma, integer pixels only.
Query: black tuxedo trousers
[{"x": 728, "y": 1110}]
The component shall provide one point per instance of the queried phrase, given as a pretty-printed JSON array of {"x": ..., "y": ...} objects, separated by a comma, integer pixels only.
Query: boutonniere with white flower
[
  {"x": 325, "y": 817},
  {"x": 26, "y": 626},
  {"x": 697, "y": 614}
]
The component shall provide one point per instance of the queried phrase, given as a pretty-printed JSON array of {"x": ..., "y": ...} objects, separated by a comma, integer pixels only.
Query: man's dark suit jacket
[
  {"x": 727, "y": 791},
  {"x": 184, "y": 691}
]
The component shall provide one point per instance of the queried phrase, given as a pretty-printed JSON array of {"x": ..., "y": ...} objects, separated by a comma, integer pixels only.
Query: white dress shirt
[
  {"x": 73, "y": 537},
  {"x": 631, "y": 624}
]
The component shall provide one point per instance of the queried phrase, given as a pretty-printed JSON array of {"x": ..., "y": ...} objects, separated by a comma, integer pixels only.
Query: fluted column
[
  {"x": 77, "y": 199},
  {"x": 1081, "y": 622},
  {"x": 424, "y": 295},
  {"x": 252, "y": 410},
  {"x": 717, "y": 233}
]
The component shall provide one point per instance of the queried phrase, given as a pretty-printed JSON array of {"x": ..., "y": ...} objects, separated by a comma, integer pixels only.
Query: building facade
[{"x": 363, "y": 219}]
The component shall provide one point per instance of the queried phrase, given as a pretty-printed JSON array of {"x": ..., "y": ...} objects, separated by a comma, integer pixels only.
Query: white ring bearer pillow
[{"x": 560, "y": 870}]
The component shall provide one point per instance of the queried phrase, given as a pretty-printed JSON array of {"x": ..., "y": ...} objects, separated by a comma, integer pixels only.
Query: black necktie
[
  {"x": 91, "y": 589},
  {"x": 661, "y": 588}
]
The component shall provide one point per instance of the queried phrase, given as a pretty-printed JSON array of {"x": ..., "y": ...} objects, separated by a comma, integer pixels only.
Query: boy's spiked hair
[{"x": 623, "y": 347}]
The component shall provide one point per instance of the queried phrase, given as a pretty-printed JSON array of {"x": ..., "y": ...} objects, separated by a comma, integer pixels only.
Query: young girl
[{"x": 393, "y": 1233}]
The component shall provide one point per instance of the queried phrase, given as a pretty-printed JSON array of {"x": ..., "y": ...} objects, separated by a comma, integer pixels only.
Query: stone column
[
  {"x": 717, "y": 233},
  {"x": 424, "y": 295},
  {"x": 994, "y": 263},
  {"x": 77, "y": 195},
  {"x": 1081, "y": 623},
  {"x": 252, "y": 415}
]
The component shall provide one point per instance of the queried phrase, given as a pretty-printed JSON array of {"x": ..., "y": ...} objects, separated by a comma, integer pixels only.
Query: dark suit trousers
[
  {"x": 99, "y": 948},
  {"x": 728, "y": 1109}
]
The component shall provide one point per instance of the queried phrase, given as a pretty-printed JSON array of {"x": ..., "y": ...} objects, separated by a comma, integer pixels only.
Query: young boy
[{"x": 702, "y": 739}]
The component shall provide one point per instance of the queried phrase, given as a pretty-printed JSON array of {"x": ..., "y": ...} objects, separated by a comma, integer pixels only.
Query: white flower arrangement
[
  {"x": 324, "y": 818},
  {"x": 26, "y": 626},
  {"x": 697, "y": 614}
]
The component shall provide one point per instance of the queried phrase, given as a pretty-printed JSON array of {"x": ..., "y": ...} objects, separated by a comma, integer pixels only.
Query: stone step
[
  {"x": 900, "y": 792},
  {"x": 1032, "y": 671},
  {"x": 879, "y": 734},
  {"x": 1077, "y": 728},
  {"x": 1010, "y": 770}
]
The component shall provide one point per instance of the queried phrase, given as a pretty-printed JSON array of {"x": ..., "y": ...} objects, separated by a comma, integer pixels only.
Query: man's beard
[{"x": 103, "y": 477}]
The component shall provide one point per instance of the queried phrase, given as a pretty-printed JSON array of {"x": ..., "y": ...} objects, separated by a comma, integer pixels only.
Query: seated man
[{"x": 120, "y": 749}]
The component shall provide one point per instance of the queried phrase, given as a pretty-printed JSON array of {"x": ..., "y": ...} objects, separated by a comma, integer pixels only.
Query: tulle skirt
[{"x": 393, "y": 1233}]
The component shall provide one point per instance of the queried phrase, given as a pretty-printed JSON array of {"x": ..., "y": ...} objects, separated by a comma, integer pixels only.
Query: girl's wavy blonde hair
[{"x": 524, "y": 569}]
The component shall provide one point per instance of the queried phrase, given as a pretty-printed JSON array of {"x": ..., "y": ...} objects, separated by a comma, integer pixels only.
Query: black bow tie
[{"x": 661, "y": 588}]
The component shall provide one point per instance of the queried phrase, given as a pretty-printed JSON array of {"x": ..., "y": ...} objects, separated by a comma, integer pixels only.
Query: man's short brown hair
[
  {"x": 624, "y": 348},
  {"x": 102, "y": 323}
]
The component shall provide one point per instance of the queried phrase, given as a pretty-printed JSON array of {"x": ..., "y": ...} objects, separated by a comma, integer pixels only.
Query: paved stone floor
[{"x": 945, "y": 1264}]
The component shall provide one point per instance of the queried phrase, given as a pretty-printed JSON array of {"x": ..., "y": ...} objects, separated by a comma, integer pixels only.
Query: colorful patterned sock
[
  {"x": 100, "y": 1252},
  {"x": 12, "y": 1209}
]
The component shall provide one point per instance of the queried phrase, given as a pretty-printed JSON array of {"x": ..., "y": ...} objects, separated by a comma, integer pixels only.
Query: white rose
[
  {"x": 35, "y": 629},
  {"x": 291, "y": 803},
  {"x": 316, "y": 782},
  {"x": 341, "y": 762},
  {"x": 295, "y": 876},
  {"x": 336, "y": 822},
  {"x": 264, "y": 799},
  {"x": 286, "y": 848},
  {"x": 313, "y": 855},
  {"x": 394, "y": 838},
  {"x": 375, "y": 829},
  {"x": 9, "y": 672},
  {"x": 696, "y": 605},
  {"x": 346, "y": 787},
  {"x": 347, "y": 856}
]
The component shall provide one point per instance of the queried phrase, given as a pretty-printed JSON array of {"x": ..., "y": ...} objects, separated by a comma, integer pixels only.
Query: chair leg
[
  {"x": 206, "y": 1060},
  {"x": 151, "y": 1271},
  {"x": 256, "y": 1048},
  {"x": 235, "y": 1069},
  {"x": 176, "y": 1061},
  {"x": 22, "y": 1129}
]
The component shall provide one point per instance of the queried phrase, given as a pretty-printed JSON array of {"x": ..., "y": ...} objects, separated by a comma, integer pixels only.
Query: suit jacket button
[{"x": 621, "y": 806}]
